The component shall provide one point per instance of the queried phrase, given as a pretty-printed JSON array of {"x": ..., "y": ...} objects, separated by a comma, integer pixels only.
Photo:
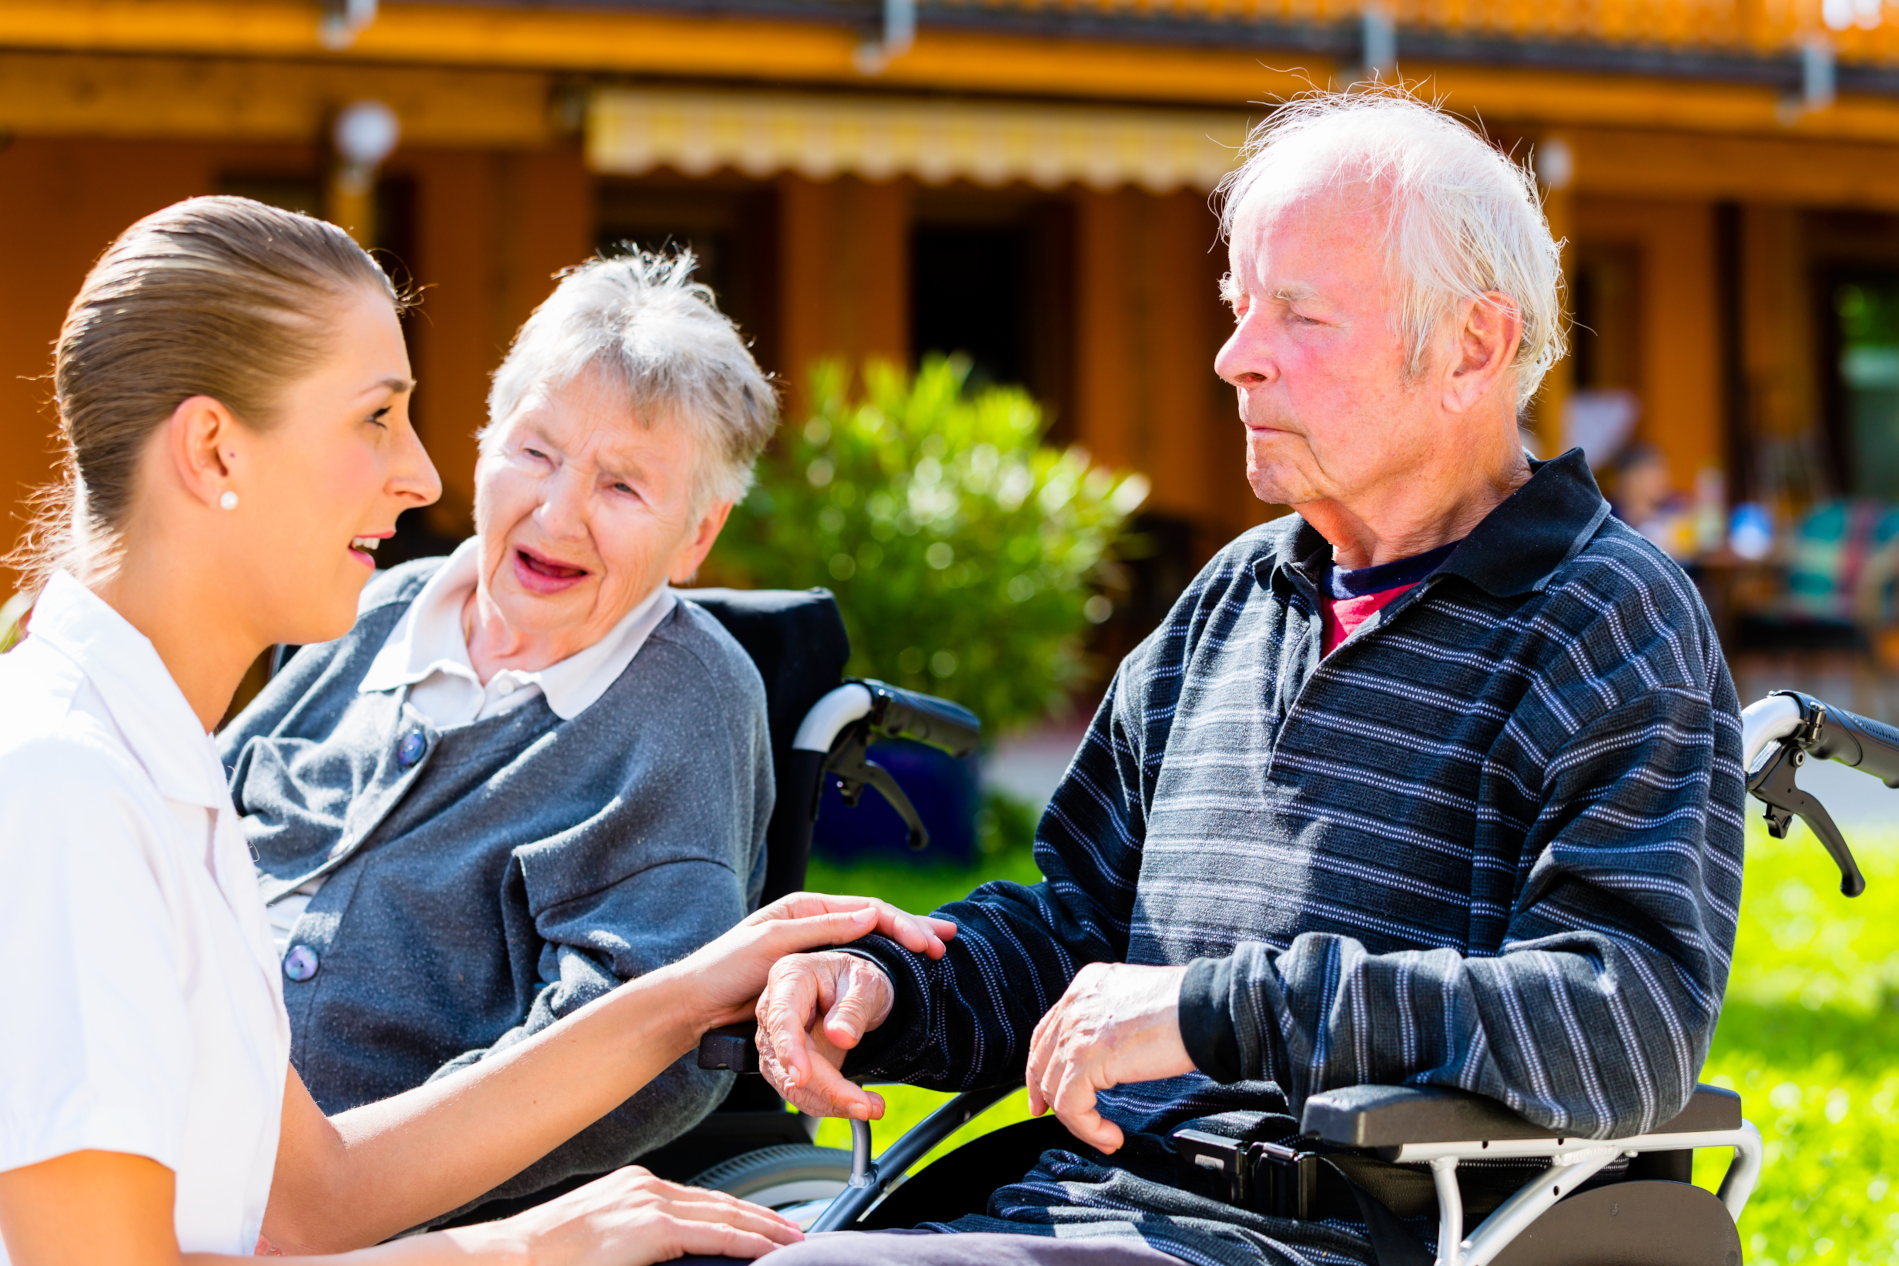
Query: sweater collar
[{"x": 1515, "y": 549}]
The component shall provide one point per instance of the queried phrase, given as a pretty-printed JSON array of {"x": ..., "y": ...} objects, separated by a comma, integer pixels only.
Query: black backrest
[{"x": 796, "y": 638}]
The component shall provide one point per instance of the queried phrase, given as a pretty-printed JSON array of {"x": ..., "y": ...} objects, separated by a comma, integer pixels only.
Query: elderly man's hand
[
  {"x": 1116, "y": 1023},
  {"x": 816, "y": 1007},
  {"x": 729, "y": 972}
]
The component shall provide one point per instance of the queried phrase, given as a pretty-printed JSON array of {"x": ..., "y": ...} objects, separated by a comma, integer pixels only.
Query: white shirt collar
[
  {"x": 160, "y": 729},
  {"x": 428, "y": 640}
]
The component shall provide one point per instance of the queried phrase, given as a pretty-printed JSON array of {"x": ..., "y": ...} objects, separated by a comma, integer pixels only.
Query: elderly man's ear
[
  {"x": 693, "y": 552},
  {"x": 1487, "y": 332}
]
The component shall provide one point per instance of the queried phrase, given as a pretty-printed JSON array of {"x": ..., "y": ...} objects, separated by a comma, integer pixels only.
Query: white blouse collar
[{"x": 428, "y": 639}]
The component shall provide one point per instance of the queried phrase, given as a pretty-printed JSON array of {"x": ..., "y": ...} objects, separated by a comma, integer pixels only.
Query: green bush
[{"x": 967, "y": 556}]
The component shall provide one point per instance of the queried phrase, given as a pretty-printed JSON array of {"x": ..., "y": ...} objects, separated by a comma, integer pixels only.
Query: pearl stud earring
[{"x": 228, "y": 500}]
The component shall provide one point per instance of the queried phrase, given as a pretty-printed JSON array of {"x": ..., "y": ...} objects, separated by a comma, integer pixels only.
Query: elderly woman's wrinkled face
[{"x": 583, "y": 509}]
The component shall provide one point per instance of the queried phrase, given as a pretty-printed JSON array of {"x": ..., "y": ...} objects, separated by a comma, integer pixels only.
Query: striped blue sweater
[{"x": 1493, "y": 842}]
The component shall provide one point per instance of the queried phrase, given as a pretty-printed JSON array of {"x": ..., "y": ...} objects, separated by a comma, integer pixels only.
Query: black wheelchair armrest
[
  {"x": 730, "y": 1049},
  {"x": 1391, "y": 1116}
]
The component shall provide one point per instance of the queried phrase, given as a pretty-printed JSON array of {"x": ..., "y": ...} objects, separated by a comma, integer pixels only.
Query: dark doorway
[
  {"x": 992, "y": 279},
  {"x": 1607, "y": 336},
  {"x": 971, "y": 295}
]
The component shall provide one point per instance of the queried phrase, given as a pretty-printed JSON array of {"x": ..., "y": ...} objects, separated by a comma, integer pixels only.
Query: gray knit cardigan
[{"x": 486, "y": 879}]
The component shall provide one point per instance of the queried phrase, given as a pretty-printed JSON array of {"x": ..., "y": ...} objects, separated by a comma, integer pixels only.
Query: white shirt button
[{"x": 504, "y": 686}]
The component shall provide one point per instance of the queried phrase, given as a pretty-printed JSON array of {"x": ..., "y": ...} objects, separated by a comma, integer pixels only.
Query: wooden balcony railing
[{"x": 1861, "y": 31}]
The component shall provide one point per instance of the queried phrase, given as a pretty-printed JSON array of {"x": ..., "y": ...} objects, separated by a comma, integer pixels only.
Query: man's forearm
[{"x": 1566, "y": 1036}]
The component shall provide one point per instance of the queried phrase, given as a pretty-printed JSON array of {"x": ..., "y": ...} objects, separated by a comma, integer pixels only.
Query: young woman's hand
[
  {"x": 630, "y": 1218},
  {"x": 729, "y": 974}
]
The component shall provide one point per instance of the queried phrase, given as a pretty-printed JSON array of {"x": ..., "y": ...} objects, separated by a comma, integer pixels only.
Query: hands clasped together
[
  {"x": 632, "y": 1216},
  {"x": 1116, "y": 1023}
]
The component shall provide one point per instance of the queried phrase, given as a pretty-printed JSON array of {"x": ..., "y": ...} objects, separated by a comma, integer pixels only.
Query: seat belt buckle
[
  {"x": 1284, "y": 1181},
  {"x": 1220, "y": 1161},
  {"x": 1267, "y": 1178}
]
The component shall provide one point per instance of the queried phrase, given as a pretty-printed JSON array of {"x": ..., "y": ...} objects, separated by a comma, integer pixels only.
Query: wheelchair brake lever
[
  {"x": 850, "y": 762},
  {"x": 1774, "y": 786}
]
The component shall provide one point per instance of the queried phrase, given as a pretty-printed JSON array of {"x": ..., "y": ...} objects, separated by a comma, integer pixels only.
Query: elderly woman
[{"x": 530, "y": 771}]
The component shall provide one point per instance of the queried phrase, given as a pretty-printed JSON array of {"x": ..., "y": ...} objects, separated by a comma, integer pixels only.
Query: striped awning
[{"x": 634, "y": 130}]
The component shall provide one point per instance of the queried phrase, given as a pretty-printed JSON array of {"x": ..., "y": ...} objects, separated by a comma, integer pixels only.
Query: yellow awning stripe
[{"x": 634, "y": 130}]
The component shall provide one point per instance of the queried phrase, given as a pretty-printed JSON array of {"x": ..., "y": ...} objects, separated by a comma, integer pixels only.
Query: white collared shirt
[
  {"x": 427, "y": 654},
  {"x": 137, "y": 980}
]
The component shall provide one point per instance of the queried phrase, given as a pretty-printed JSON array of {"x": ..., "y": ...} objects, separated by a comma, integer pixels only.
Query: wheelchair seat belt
[{"x": 1288, "y": 1182}]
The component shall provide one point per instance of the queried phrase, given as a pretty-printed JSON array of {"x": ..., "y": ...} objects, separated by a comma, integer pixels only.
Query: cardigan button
[
  {"x": 300, "y": 963},
  {"x": 410, "y": 750}
]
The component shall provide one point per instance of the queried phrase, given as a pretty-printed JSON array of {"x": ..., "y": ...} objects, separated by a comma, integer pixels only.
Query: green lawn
[{"x": 1809, "y": 1036}]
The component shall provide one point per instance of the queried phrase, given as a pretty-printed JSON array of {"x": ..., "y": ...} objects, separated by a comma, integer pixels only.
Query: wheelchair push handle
[
  {"x": 1795, "y": 726},
  {"x": 1861, "y": 742},
  {"x": 843, "y": 724},
  {"x": 899, "y": 713}
]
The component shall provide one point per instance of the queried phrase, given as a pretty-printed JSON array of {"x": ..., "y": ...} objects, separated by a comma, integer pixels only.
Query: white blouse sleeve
[{"x": 97, "y": 1052}]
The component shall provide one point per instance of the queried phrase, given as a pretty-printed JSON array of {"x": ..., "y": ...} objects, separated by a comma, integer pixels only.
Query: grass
[{"x": 1809, "y": 1037}]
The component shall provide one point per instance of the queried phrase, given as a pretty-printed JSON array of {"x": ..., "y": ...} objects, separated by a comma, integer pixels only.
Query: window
[{"x": 1865, "y": 329}]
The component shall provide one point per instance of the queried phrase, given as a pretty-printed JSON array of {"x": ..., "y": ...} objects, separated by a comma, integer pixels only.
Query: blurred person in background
[
  {"x": 530, "y": 772},
  {"x": 1434, "y": 781},
  {"x": 233, "y": 397},
  {"x": 1642, "y": 493}
]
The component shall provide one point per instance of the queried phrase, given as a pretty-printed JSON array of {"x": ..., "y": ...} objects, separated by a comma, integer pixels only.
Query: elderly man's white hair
[
  {"x": 1463, "y": 219},
  {"x": 640, "y": 320}
]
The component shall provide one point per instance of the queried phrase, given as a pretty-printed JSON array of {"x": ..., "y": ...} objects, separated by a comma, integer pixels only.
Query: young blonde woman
[{"x": 233, "y": 396}]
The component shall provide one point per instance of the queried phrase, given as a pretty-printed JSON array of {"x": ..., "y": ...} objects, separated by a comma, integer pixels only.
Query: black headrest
[{"x": 795, "y": 637}]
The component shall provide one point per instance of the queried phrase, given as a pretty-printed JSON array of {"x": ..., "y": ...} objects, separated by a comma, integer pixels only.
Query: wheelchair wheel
[{"x": 797, "y": 1180}]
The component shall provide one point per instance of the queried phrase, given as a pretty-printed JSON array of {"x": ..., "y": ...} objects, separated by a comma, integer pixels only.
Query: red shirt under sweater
[{"x": 1354, "y": 595}]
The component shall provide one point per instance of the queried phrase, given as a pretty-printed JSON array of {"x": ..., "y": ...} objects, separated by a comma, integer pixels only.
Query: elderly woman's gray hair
[
  {"x": 1463, "y": 219},
  {"x": 640, "y": 320}
]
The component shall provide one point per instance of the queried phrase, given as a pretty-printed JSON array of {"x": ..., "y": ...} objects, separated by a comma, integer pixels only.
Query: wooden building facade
[{"x": 1024, "y": 180}]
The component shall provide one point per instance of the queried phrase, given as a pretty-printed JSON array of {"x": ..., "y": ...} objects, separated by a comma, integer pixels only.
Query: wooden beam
[
  {"x": 596, "y": 42},
  {"x": 64, "y": 94},
  {"x": 845, "y": 244},
  {"x": 1678, "y": 323},
  {"x": 1780, "y": 170}
]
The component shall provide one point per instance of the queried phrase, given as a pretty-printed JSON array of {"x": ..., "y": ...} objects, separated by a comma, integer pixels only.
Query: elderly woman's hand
[{"x": 729, "y": 974}]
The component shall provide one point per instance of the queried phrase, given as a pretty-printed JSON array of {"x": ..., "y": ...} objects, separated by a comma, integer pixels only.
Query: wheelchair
[{"x": 1567, "y": 1201}]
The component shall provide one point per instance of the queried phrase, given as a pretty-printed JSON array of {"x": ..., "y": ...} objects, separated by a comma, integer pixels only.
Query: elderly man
[
  {"x": 1434, "y": 781},
  {"x": 530, "y": 772}
]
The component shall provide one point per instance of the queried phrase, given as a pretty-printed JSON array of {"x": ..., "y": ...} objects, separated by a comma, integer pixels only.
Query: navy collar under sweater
[
  {"x": 1357, "y": 582},
  {"x": 1492, "y": 842},
  {"x": 1515, "y": 549}
]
